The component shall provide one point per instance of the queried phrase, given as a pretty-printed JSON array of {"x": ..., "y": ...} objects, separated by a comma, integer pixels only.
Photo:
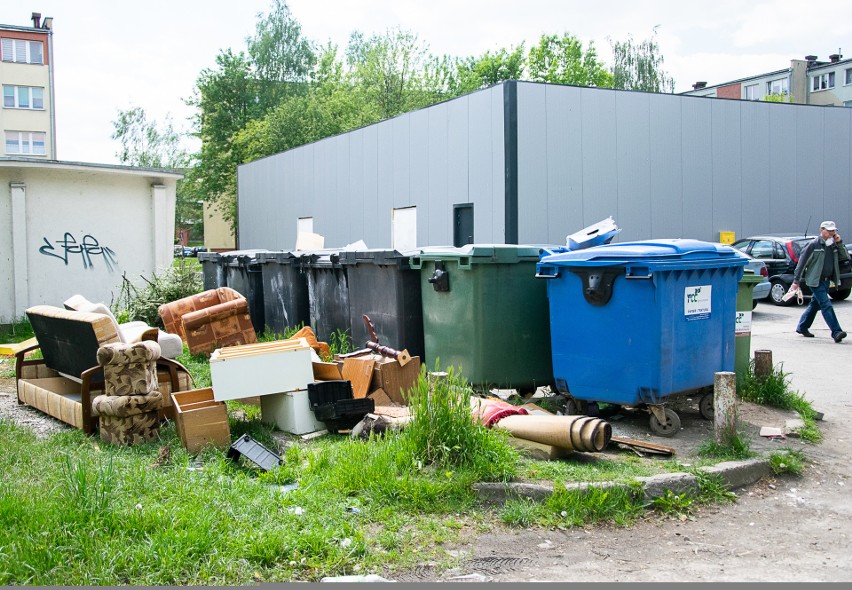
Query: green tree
[
  {"x": 562, "y": 60},
  {"x": 147, "y": 144},
  {"x": 389, "y": 69},
  {"x": 490, "y": 68},
  {"x": 639, "y": 66},
  {"x": 282, "y": 59}
]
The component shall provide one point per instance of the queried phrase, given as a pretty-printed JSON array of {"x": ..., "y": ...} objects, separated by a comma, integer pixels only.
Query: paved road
[{"x": 791, "y": 530}]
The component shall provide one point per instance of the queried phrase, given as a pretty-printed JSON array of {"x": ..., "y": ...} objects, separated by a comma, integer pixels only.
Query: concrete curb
[{"x": 734, "y": 474}]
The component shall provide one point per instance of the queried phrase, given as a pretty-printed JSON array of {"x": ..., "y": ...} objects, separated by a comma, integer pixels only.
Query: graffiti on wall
[{"x": 89, "y": 248}]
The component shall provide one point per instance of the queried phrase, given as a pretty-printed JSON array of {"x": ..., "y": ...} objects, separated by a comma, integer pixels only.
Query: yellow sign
[{"x": 727, "y": 237}]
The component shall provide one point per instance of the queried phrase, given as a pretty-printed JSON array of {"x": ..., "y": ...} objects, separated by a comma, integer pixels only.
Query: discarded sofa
[
  {"x": 61, "y": 383},
  {"x": 210, "y": 320},
  {"x": 131, "y": 400}
]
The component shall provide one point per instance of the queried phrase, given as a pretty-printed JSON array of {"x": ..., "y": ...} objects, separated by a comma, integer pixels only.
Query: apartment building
[
  {"x": 806, "y": 81},
  {"x": 27, "y": 119}
]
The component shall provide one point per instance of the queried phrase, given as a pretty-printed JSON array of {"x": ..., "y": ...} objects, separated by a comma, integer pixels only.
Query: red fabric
[{"x": 491, "y": 411}]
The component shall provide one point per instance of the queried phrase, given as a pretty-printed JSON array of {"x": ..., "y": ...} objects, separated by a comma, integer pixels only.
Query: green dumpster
[
  {"x": 485, "y": 313},
  {"x": 742, "y": 344}
]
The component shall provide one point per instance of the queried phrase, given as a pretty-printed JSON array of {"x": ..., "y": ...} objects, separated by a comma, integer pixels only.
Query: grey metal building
[{"x": 524, "y": 162}]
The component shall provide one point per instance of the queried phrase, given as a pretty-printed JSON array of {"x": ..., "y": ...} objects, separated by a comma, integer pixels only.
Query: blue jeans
[{"x": 821, "y": 302}]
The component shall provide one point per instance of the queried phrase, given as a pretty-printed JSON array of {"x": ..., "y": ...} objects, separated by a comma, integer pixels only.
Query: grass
[
  {"x": 734, "y": 447},
  {"x": 787, "y": 461},
  {"x": 774, "y": 390},
  {"x": 18, "y": 331},
  {"x": 568, "y": 508}
]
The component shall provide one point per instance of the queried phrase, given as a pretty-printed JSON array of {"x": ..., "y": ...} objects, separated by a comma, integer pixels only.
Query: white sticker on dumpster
[
  {"x": 696, "y": 302},
  {"x": 743, "y": 324}
]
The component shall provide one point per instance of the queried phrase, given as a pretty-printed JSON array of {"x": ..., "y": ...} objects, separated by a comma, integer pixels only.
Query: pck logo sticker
[{"x": 697, "y": 302}]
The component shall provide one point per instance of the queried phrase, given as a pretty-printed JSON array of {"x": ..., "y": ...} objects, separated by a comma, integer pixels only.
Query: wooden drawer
[{"x": 201, "y": 420}]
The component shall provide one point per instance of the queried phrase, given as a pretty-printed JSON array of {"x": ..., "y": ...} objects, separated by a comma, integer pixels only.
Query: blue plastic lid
[{"x": 669, "y": 252}]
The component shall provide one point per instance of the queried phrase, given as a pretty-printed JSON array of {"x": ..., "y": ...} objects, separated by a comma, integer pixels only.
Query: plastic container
[
  {"x": 212, "y": 271},
  {"x": 328, "y": 294},
  {"x": 637, "y": 322},
  {"x": 243, "y": 274},
  {"x": 285, "y": 291},
  {"x": 383, "y": 286},
  {"x": 485, "y": 313},
  {"x": 742, "y": 324}
]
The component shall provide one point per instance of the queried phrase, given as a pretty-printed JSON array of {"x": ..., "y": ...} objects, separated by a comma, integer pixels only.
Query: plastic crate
[{"x": 322, "y": 393}]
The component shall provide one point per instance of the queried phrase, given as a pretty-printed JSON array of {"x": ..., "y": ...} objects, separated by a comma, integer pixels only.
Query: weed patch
[
  {"x": 141, "y": 302},
  {"x": 774, "y": 390},
  {"x": 569, "y": 508},
  {"x": 787, "y": 461},
  {"x": 734, "y": 447}
]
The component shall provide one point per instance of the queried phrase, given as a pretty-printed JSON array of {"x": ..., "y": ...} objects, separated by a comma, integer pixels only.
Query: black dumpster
[
  {"x": 212, "y": 271},
  {"x": 285, "y": 290},
  {"x": 243, "y": 274},
  {"x": 383, "y": 286},
  {"x": 328, "y": 293}
]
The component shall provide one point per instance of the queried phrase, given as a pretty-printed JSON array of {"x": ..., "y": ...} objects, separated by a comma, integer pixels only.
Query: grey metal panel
[
  {"x": 354, "y": 189},
  {"x": 439, "y": 211},
  {"x": 386, "y": 172},
  {"x": 666, "y": 123},
  {"x": 480, "y": 174},
  {"x": 633, "y": 164},
  {"x": 353, "y": 230},
  {"x": 810, "y": 134},
  {"x": 756, "y": 153},
  {"x": 498, "y": 163},
  {"x": 457, "y": 163},
  {"x": 369, "y": 207},
  {"x": 727, "y": 166},
  {"x": 600, "y": 183},
  {"x": 401, "y": 161},
  {"x": 418, "y": 188},
  {"x": 696, "y": 162},
  {"x": 838, "y": 196},
  {"x": 782, "y": 171},
  {"x": 533, "y": 163},
  {"x": 564, "y": 155}
]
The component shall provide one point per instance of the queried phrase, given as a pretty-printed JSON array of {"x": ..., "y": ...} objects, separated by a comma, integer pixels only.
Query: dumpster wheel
[
  {"x": 671, "y": 425},
  {"x": 705, "y": 406}
]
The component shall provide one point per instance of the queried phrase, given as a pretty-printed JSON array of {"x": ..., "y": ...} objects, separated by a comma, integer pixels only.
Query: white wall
[{"x": 47, "y": 210}]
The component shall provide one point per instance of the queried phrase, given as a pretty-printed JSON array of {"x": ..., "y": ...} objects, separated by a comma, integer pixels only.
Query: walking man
[{"x": 819, "y": 264}]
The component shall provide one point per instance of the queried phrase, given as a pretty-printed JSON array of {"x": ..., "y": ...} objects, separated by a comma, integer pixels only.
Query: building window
[
  {"x": 21, "y": 51},
  {"x": 781, "y": 86},
  {"x": 823, "y": 81},
  {"x": 848, "y": 76},
  {"x": 751, "y": 92},
  {"x": 25, "y": 143},
  {"x": 23, "y": 97}
]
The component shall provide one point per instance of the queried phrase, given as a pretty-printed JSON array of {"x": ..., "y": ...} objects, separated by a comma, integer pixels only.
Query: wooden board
[
  {"x": 381, "y": 398},
  {"x": 13, "y": 349},
  {"x": 642, "y": 445},
  {"x": 327, "y": 371},
  {"x": 360, "y": 373}
]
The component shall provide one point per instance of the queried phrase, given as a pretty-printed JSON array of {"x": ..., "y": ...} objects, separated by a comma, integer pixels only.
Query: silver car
[{"x": 758, "y": 267}]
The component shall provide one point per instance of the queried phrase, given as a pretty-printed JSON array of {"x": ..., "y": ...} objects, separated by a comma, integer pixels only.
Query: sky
[{"x": 111, "y": 55}]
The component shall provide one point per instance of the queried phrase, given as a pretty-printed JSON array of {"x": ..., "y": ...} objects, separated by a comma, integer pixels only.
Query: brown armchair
[{"x": 209, "y": 320}]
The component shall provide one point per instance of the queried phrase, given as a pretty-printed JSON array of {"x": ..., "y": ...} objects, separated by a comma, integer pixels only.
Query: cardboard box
[
  {"x": 394, "y": 379},
  {"x": 201, "y": 420},
  {"x": 266, "y": 368},
  {"x": 290, "y": 412}
]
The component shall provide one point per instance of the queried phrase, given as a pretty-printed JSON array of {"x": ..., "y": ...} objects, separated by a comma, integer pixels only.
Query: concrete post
[
  {"x": 762, "y": 363},
  {"x": 19, "y": 249},
  {"x": 725, "y": 405}
]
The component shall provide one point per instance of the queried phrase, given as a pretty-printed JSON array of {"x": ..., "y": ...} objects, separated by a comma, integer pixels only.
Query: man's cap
[{"x": 829, "y": 225}]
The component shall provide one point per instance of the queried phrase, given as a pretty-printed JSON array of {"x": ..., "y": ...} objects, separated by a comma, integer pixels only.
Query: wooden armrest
[
  {"x": 21, "y": 361},
  {"x": 173, "y": 367}
]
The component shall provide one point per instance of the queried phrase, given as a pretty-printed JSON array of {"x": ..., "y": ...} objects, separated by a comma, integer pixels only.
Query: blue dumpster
[{"x": 634, "y": 323}]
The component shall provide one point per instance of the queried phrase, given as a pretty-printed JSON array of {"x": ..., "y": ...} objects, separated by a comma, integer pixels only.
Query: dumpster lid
[
  {"x": 280, "y": 256},
  {"x": 241, "y": 256},
  {"x": 377, "y": 256},
  {"x": 484, "y": 253},
  {"x": 669, "y": 251},
  {"x": 209, "y": 256}
]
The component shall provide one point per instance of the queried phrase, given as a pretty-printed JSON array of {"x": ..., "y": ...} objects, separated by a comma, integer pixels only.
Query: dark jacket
[{"x": 811, "y": 262}]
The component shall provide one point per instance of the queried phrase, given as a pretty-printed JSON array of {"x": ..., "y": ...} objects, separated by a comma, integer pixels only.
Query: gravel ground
[{"x": 41, "y": 424}]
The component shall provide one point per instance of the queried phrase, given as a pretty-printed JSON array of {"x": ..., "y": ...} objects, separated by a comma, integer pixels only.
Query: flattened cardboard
[{"x": 327, "y": 371}]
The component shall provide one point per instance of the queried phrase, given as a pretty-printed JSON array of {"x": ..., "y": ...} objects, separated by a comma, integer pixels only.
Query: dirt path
[{"x": 783, "y": 530}]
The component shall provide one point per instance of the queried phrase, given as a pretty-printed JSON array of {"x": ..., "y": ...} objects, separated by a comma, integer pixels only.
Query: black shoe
[
  {"x": 839, "y": 336},
  {"x": 807, "y": 333}
]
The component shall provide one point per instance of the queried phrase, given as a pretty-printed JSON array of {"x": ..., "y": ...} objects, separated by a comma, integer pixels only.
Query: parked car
[
  {"x": 758, "y": 267},
  {"x": 781, "y": 253}
]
